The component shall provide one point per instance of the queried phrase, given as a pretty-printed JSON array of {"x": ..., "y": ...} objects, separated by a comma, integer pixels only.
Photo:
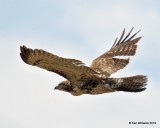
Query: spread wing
[
  {"x": 70, "y": 69},
  {"x": 107, "y": 63}
]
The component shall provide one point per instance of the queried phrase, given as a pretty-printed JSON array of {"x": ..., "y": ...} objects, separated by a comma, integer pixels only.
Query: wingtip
[
  {"x": 23, "y": 47},
  {"x": 126, "y": 38},
  {"x": 131, "y": 29},
  {"x": 24, "y": 53},
  {"x": 124, "y": 30},
  {"x": 136, "y": 40}
]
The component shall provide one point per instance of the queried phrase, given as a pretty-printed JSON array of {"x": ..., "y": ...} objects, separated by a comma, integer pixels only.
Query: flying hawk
[{"x": 96, "y": 78}]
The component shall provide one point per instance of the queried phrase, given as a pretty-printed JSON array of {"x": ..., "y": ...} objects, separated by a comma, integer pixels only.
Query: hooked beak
[{"x": 56, "y": 88}]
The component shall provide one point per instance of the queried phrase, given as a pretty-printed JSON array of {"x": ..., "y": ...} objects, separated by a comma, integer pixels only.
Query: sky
[{"x": 81, "y": 29}]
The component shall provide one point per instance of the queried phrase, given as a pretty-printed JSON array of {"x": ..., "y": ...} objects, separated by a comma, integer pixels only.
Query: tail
[{"x": 128, "y": 84}]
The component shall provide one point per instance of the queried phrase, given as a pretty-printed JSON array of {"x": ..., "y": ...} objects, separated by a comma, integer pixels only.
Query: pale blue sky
[{"x": 81, "y": 29}]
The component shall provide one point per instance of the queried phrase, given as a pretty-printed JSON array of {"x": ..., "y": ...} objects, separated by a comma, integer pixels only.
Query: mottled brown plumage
[
  {"x": 107, "y": 63},
  {"x": 94, "y": 79}
]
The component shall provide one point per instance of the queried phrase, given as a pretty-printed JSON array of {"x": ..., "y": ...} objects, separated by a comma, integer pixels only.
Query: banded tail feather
[{"x": 128, "y": 84}]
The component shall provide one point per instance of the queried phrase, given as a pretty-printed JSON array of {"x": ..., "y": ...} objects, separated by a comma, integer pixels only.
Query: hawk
[{"x": 81, "y": 79}]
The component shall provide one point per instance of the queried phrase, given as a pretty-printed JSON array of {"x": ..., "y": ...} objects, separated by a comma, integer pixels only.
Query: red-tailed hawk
[{"x": 96, "y": 78}]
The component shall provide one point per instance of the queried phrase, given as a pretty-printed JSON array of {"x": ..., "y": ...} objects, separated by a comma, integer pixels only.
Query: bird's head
[{"x": 64, "y": 86}]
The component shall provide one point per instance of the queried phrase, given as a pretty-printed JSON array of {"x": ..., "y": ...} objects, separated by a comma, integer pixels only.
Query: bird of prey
[{"x": 81, "y": 79}]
